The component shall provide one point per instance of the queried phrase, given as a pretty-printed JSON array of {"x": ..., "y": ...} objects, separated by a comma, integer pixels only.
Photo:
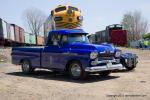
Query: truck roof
[{"x": 69, "y": 31}]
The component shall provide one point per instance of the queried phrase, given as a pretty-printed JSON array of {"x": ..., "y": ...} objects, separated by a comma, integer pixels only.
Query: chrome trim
[
  {"x": 103, "y": 68},
  {"x": 103, "y": 52},
  {"x": 106, "y": 61}
]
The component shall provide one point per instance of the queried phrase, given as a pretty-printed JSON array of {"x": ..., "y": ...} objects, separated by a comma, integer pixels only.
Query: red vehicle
[
  {"x": 113, "y": 34},
  {"x": 117, "y": 35}
]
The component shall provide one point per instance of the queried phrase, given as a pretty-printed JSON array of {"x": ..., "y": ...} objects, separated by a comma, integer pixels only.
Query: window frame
[
  {"x": 59, "y": 9},
  {"x": 73, "y": 8},
  {"x": 50, "y": 41}
]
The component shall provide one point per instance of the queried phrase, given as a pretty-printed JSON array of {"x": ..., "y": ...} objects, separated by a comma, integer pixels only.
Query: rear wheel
[
  {"x": 76, "y": 71},
  {"x": 26, "y": 67},
  {"x": 105, "y": 73}
]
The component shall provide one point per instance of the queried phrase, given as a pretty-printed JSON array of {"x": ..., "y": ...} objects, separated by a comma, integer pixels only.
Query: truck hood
[{"x": 93, "y": 47}]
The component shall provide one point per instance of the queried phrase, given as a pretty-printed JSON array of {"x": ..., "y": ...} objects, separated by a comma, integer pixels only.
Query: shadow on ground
[
  {"x": 47, "y": 75},
  {"x": 123, "y": 71}
]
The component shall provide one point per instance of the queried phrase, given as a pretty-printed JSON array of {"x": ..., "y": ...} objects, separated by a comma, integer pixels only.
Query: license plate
[{"x": 109, "y": 65}]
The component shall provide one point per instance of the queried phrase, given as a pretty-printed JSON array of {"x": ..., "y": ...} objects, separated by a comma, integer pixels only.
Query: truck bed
[{"x": 32, "y": 53}]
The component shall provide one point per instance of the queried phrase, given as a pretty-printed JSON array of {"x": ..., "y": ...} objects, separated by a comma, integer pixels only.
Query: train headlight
[
  {"x": 118, "y": 53},
  {"x": 93, "y": 55},
  {"x": 80, "y": 18}
]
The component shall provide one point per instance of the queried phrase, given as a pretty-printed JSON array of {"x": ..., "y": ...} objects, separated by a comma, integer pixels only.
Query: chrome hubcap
[
  {"x": 76, "y": 70},
  {"x": 25, "y": 67}
]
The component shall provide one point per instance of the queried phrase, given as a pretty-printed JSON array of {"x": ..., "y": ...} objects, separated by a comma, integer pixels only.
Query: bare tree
[
  {"x": 34, "y": 18},
  {"x": 136, "y": 25}
]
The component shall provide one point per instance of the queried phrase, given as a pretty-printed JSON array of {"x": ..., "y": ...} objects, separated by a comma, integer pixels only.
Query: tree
[
  {"x": 147, "y": 36},
  {"x": 34, "y": 18},
  {"x": 135, "y": 24}
]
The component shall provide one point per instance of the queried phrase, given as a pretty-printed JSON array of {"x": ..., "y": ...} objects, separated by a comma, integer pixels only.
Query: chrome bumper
[
  {"x": 109, "y": 66},
  {"x": 103, "y": 68}
]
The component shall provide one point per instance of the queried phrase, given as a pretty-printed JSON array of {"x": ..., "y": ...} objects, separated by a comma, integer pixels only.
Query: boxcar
[
  {"x": 21, "y": 35},
  {"x": 4, "y": 32},
  {"x": 18, "y": 33},
  {"x": 12, "y": 32}
]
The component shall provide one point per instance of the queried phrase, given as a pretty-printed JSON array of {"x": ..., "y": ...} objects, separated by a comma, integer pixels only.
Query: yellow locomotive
[{"x": 66, "y": 16}]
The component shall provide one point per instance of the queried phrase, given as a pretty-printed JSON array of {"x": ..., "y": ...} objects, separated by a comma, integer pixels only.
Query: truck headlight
[
  {"x": 93, "y": 55},
  {"x": 118, "y": 53}
]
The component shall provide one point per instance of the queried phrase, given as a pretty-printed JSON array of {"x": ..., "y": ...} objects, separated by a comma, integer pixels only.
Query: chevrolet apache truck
[{"x": 69, "y": 50}]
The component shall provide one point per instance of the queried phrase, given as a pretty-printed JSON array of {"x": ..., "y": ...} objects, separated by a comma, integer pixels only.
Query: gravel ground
[
  {"x": 5, "y": 54},
  {"x": 44, "y": 85}
]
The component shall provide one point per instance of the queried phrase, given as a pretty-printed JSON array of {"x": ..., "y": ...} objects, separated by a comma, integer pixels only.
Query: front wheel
[
  {"x": 76, "y": 71},
  {"x": 26, "y": 67}
]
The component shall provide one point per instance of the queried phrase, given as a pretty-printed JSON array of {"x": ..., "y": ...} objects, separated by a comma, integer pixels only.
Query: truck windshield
[{"x": 81, "y": 38}]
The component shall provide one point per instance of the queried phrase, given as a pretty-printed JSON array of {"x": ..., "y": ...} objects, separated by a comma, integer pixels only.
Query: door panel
[{"x": 54, "y": 57}]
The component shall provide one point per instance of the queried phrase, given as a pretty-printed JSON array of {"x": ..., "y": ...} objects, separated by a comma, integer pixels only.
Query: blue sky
[{"x": 97, "y": 13}]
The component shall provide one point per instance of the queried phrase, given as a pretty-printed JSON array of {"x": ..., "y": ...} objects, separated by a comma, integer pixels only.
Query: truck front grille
[{"x": 105, "y": 56}]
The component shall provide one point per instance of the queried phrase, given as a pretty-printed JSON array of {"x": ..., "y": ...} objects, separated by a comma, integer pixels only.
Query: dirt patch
[
  {"x": 45, "y": 85},
  {"x": 5, "y": 54}
]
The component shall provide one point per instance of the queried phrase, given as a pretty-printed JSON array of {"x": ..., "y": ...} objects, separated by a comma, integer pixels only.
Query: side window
[
  {"x": 64, "y": 39},
  {"x": 60, "y": 9},
  {"x": 54, "y": 39}
]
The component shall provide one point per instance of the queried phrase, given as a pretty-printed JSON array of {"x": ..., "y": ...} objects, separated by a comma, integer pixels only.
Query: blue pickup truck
[{"x": 69, "y": 50}]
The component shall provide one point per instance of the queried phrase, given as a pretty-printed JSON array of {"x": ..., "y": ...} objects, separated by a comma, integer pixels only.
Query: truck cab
[{"x": 69, "y": 50}]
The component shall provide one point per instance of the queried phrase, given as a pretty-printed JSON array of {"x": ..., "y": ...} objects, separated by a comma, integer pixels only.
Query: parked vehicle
[
  {"x": 113, "y": 34},
  {"x": 19, "y": 33},
  {"x": 12, "y": 34},
  {"x": 2, "y": 33},
  {"x": 5, "y": 35},
  {"x": 69, "y": 51},
  {"x": 129, "y": 60},
  {"x": 3, "y": 29},
  {"x": 136, "y": 44},
  {"x": 119, "y": 37},
  {"x": 101, "y": 37}
]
